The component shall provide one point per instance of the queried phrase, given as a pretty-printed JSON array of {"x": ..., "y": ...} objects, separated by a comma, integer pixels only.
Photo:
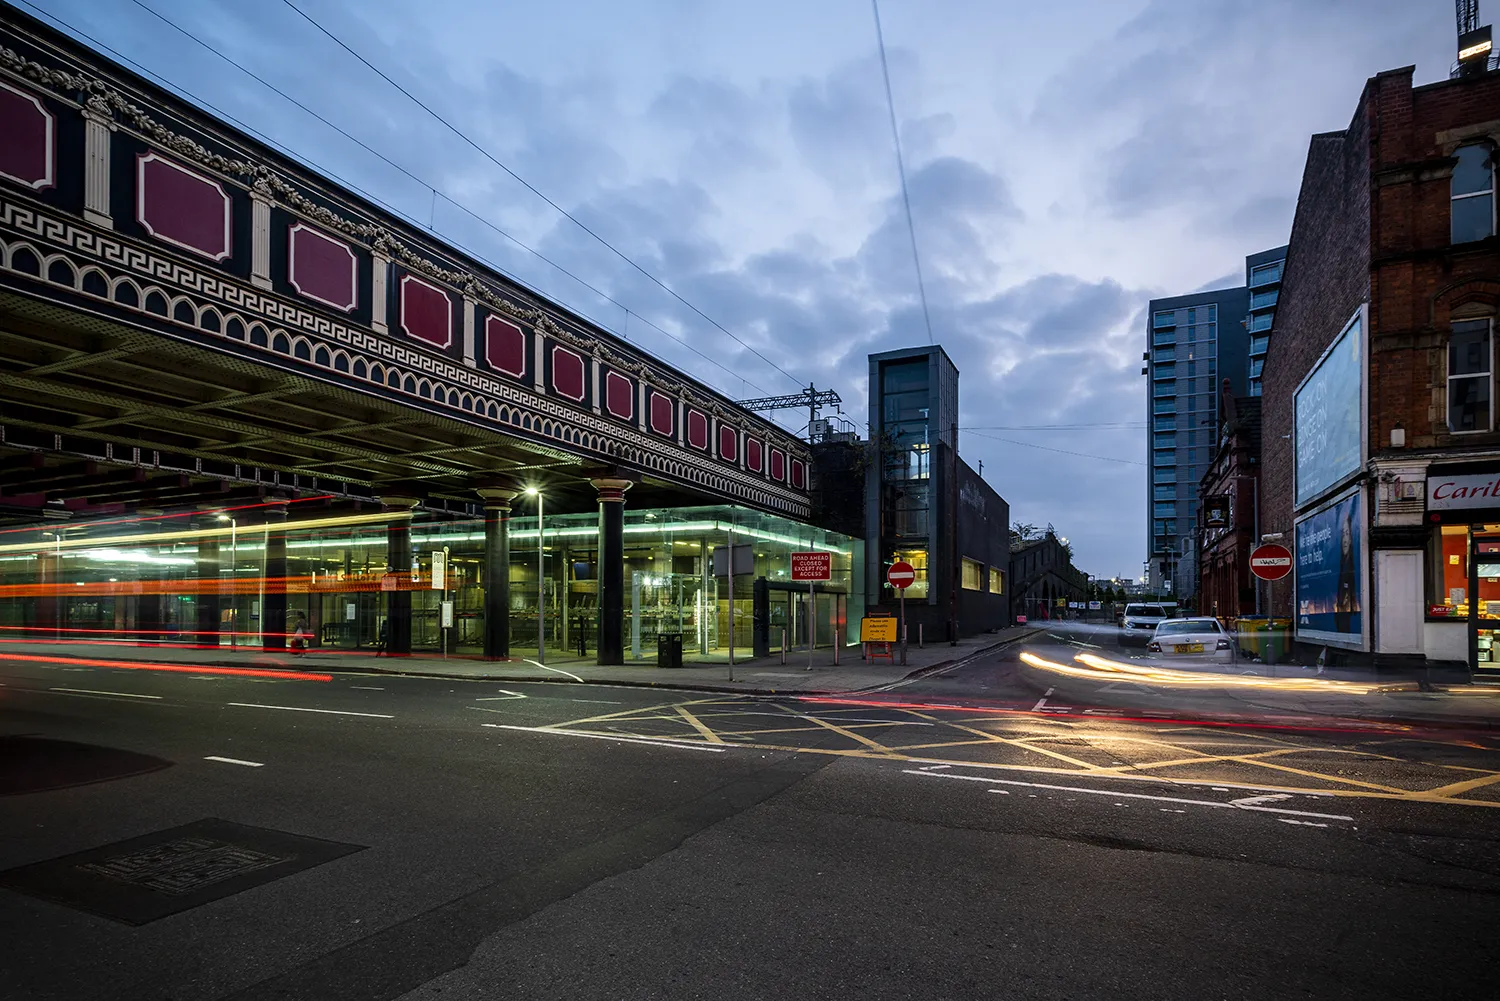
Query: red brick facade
[
  {"x": 1226, "y": 588},
  {"x": 1373, "y": 226}
]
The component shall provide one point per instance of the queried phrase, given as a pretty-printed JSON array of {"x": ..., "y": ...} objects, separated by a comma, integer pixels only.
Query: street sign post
[
  {"x": 1271, "y": 562},
  {"x": 900, "y": 576},
  {"x": 812, "y": 567}
]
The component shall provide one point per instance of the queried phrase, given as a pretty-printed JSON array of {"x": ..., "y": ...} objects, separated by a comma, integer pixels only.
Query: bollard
[
  {"x": 783, "y": 646},
  {"x": 836, "y": 646},
  {"x": 920, "y": 639},
  {"x": 903, "y": 644}
]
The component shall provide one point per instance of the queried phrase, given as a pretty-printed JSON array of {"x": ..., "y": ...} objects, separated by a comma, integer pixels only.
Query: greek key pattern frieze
[
  {"x": 123, "y": 110},
  {"x": 217, "y": 304}
]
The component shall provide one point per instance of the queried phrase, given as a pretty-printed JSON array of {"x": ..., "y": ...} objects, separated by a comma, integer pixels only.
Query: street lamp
[
  {"x": 234, "y": 554},
  {"x": 541, "y": 580}
]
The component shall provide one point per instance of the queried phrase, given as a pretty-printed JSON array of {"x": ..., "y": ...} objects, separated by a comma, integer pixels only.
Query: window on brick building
[
  {"x": 1473, "y": 193},
  {"x": 1469, "y": 368}
]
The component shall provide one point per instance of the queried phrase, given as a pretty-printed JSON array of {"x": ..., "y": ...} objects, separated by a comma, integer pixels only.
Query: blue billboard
[
  {"x": 1330, "y": 417},
  {"x": 1330, "y": 574}
]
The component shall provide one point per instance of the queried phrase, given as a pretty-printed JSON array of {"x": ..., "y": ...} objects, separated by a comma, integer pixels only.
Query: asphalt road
[{"x": 942, "y": 840}]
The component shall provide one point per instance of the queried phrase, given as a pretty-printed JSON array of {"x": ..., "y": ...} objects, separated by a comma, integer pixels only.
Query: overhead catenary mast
[{"x": 812, "y": 398}]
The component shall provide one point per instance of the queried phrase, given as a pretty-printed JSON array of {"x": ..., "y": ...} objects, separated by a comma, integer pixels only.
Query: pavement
[
  {"x": 549, "y": 840},
  {"x": 767, "y": 675}
]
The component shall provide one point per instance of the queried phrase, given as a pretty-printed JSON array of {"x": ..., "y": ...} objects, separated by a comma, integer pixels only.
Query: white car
[
  {"x": 1138, "y": 622},
  {"x": 1200, "y": 638}
]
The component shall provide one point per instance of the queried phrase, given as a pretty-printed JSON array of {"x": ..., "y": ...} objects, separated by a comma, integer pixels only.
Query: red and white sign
[
  {"x": 901, "y": 574},
  {"x": 1451, "y": 493},
  {"x": 812, "y": 566},
  {"x": 1271, "y": 562}
]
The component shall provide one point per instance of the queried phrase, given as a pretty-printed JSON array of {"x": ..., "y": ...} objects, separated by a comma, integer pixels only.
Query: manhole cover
[{"x": 155, "y": 875}]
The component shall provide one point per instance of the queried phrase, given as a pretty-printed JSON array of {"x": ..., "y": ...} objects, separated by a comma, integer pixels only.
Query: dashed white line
[
  {"x": 300, "y": 709},
  {"x": 366, "y": 688},
  {"x": 234, "y": 761},
  {"x": 683, "y": 745},
  {"x": 598, "y": 702},
  {"x": 1043, "y": 700},
  {"x": 90, "y": 691},
  {"x": 1304, "y": 823}
]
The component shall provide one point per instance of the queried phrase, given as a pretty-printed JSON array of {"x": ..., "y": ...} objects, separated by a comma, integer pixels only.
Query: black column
[
  {"x": 209, "y": 582},
  {"x": 398, "y": 558},
  {"x": 496, "y": 572},
  {"x": 273, "y": 611},
  {"x": 611, "y": 645}
]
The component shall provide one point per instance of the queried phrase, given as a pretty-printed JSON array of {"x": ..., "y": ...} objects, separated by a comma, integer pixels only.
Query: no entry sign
[
  {"x": 812, "y": 566},
  {"x": 1271, "y": 562},
  {"x": 901, "y": 574}
]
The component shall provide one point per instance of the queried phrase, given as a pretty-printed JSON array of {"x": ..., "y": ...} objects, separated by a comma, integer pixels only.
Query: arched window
[{"x": 1473, "y": 193}]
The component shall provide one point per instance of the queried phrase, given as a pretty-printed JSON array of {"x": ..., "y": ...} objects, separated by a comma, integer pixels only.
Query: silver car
[{"x": 1200, "y": 639}]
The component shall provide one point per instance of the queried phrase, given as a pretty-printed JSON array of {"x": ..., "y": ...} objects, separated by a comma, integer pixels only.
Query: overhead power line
[
  {"x": 911, "y": 228},
  {"x": 1119, "y": 426},
  {"x": 1064, "y": 451},
  {"x": 391, "y": 163},
  {"x": 529, "y": 187}
]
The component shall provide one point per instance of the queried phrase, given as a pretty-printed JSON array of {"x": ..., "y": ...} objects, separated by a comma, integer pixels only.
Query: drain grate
[{"x": 150, "y": 877}]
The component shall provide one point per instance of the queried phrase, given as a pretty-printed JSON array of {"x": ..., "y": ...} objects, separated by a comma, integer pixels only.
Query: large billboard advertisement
[
  {"x": 1330, "y": 416},
  {"x": 1331, "y": 574}
]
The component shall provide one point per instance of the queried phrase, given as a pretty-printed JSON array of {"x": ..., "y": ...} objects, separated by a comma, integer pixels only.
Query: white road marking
[
  {"x": 508, "y": 694},
  {"x": 1304, "y": 823},
  {"x": 300, "y": 709},
  {"x": 1252, "y": 800},
  {"x": 554, "y": 670},
  {"x": 684, "y": 745},
  {"x": 90, "y": 691},
  {"x": 366, "y": 688},
  {"x": 1043, "y": 700},
  {"x": 234, "y": 761},
  {"x": 598, "y": 702},
  {"x": 1130, "y": 795}
]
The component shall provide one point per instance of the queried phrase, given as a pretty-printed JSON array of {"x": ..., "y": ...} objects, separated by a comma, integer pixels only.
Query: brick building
[
  {"x": 1381, "y": 451},
  {"x": 1227, "y": 511}
]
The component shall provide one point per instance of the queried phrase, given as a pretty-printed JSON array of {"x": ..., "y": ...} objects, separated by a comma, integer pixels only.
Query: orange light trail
[{"x": 250, "y": 672}]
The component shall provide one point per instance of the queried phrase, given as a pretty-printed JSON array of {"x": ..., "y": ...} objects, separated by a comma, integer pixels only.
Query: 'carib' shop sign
[{"x": 1456, "y": 493}]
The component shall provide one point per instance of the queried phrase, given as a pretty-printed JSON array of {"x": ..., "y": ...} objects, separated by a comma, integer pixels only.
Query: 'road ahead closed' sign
[{"x": 812, "y": 566}]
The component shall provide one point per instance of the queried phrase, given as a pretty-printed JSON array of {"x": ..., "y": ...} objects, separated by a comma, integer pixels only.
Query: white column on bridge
[
  {"x": 469, "y": 305},
  {"x": 381, "y": 270},
  {"x": 260, "y": 240},
  {"x": 96, "y": 130}
]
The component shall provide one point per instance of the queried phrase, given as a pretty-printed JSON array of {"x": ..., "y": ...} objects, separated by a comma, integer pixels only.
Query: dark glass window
[
  {"x": 1469, "y": 376},
  {"x": 1473, "y": 193}
]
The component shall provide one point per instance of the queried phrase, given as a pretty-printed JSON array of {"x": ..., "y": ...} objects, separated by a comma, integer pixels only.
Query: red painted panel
[
  {"x": 697, "y": 429},
  {"x": 182, "y": 207},
  {"x": 426, "y": 312},
  {"x": 505, "y": 346},
  {"x": 661, "y": 413},
  {"x": 26, "y": 155},
  {"x": 567, "y": 373},
  {"x": 752, "y": 454},
  {"x": 322, "y": 268},
  {"x": 799, "y": 474},
  {"x": 619, "y": 396},
  {"x": 778, "y": 464},
  {"x": 729, "y": 443}
]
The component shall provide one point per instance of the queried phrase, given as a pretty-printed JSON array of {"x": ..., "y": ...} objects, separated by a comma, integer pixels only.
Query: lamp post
[
  {"x": 234, "y": 547},
  {"x": 541, "y": 579}
]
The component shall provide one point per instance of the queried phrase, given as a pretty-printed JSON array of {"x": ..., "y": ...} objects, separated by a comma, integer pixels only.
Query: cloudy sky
[{"x": 1066, "y": 162}]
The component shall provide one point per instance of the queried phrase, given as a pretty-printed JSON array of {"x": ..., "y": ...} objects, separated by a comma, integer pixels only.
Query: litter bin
[{"x": 668, "y": 649}]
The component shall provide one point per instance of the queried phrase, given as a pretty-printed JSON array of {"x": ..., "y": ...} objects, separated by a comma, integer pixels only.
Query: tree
[{"x": 1025, "y": 532}]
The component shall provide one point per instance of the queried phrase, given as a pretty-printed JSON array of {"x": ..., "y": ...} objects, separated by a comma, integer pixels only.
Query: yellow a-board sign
[{"x": 878, "y": 630}]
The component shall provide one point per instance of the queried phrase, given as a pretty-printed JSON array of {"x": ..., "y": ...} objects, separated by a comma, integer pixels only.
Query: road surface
[{"x": 947, "y": 839}]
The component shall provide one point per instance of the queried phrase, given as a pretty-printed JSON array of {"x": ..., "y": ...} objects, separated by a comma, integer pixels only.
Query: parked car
[
  {"x": 1139, "y": 621},
  {"x": 1199, "y": 638}
]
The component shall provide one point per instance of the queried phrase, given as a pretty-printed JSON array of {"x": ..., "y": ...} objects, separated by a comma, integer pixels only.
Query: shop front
[{"x": 1463, "y": 599}]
